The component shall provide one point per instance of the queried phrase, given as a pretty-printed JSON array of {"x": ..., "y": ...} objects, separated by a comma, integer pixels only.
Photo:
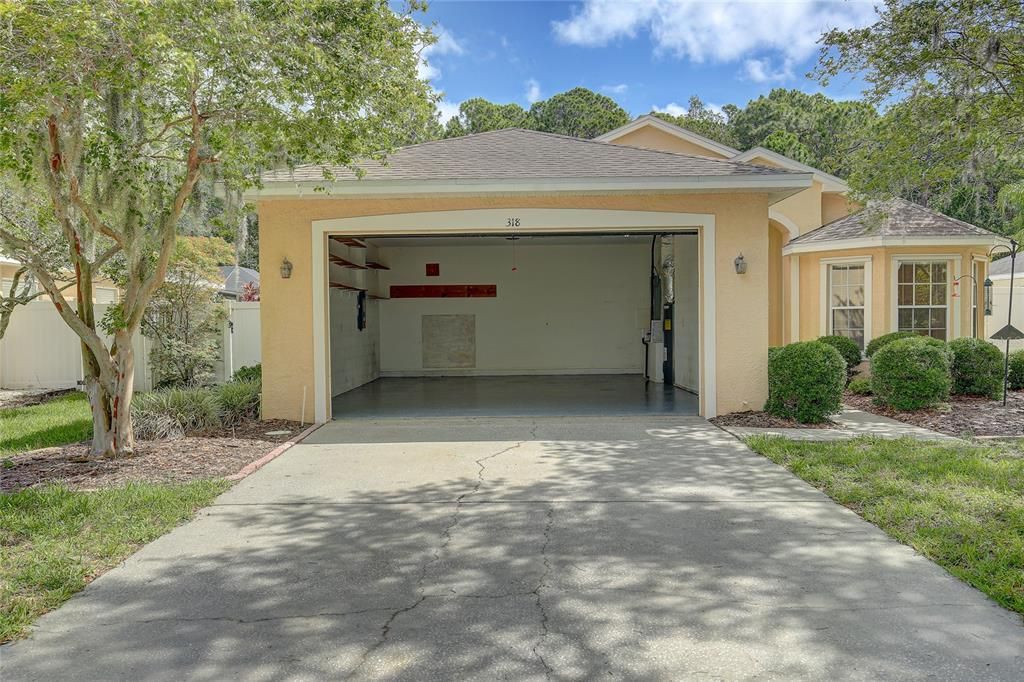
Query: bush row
[
  {"x": 174, "y": 412},
  {"x": 908, "y": 372}
]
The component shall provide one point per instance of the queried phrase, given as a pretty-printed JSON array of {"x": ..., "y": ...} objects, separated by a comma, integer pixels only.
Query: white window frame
[
  {"x": 953, "y": 265},
  {"x": 825, "y": 316},
  {"x": 977, "y": 322}
]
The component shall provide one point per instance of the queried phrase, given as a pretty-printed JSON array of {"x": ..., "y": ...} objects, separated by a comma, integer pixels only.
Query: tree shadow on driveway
[{"x": 521, "y": 549}]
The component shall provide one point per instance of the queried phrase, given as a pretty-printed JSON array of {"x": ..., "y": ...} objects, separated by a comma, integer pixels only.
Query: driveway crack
[{"x": 541, "y": 584}]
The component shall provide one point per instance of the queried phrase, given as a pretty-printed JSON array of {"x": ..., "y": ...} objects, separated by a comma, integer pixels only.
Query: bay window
[{"x": 922, "y": 298}]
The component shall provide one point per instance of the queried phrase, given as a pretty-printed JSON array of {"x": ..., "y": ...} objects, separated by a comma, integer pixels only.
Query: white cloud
[
  {"x": 715, "y": 30},
  {"x": 671, "y": 109},
  {"x": 764, "y": 70},
  {"x": 617, "y": 89},
  {"x": 446, "y": 45},
  {"x": 532, "y": 91},
  {"x": 447, "y": 110}
]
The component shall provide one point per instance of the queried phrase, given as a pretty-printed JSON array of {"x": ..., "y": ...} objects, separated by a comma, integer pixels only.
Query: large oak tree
[{"x": 113, "y": 110}]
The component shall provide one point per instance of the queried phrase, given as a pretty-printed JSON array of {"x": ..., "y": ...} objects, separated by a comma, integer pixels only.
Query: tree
[
  {"x": 703, "y": 120},
  {"x": 823, "y": 131},
  {"x": 478, "y": 115},
  {"x": 578, "y": 113},
  {"x": 955, "y": 71},
  {"x": 184, "y": 317},
  {"x": 115, "y": 109}
]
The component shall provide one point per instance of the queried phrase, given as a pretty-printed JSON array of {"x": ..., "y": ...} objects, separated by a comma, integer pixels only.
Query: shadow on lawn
[{"x": 663, "y": 553}]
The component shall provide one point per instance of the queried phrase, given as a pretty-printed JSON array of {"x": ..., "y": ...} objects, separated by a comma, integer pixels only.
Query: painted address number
[{"x": 512, "y": 222}]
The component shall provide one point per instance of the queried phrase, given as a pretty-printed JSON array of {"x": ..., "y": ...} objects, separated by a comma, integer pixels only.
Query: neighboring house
[
  {"x": 235, "y": 279},
  {"x": 999, "y": 273},
  {"x": 520, "y": 252},
  {"x": 104, "y": 291}
]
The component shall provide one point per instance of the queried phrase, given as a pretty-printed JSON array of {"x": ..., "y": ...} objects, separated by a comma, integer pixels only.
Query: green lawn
[
  {"x": 961, "y": 505},
  {"x": 53, "y": 541},
  {"x": 59, "y": 421}
]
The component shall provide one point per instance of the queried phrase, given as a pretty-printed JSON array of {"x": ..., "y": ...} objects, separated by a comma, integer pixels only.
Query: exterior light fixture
[
  {"x": 286, "y": 269},
  {"x": 988, "y": 297},
  {"x": 741, "y": 265}
]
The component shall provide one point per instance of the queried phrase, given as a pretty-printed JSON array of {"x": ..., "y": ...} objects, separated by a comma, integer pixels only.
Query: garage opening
[{"x": 513, "y": 325}]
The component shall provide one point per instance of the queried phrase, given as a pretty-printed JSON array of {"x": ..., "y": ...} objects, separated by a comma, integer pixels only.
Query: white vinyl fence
[{"x": 40, "y": 351}]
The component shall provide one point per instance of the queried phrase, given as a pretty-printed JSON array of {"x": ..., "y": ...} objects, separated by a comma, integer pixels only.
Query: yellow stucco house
[{"x": 650, "y": 254}]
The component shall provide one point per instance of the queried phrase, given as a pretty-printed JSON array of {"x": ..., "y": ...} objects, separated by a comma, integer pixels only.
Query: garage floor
[{"x": 513, "y": 396}]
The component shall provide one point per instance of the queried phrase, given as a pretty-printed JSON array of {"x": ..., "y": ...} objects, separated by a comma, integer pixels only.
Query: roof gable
[
  {"x": 650, "y": 120},
  {"x": 829, "y": 182}
]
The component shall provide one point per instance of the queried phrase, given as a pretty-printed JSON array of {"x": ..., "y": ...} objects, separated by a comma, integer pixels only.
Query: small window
[
  {"x": 846, "y": 301},
  {"x": 922, "y": 298}
]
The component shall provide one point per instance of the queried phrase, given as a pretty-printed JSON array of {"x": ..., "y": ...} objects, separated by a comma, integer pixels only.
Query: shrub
[
  {"x": 248, "y": 373},
  {"x": 1017, "y": 369},
  {"x": 860, "y": 386},
  {"x": 847, "y": 347},
  {"x": 874, "y": 345},
  {"x": 238, "y": 402},
  {"x": 976, "y": 367},
  {"x": 911, "y": 373},
  {"x": 174, "y": 412},
  {"x": 805, "y": 381}
]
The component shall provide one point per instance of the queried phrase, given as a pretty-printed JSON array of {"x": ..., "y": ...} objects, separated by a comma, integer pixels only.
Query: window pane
[
  {"x": 855, "y": 318},
  {"x": 921, "y": 316},
  {"x": 840, "y": 320},
  {"x": 922, "y": 273},
  {"x": 938, "y": 294},
  {"x": 855, "y": 274},
  {"x": 856, "y": 295},
  {"x": 938, "y": 334},
  {"x": 922, "y": 294},
  {"x": 938, "y": 317},
  {"x": 906, "y": 294},
  {"x": 938, "y": 272},
  {"x": 906, "y": 275},
  {"x": 838, "y": 275},
  {"x": 906, "y": 319}
]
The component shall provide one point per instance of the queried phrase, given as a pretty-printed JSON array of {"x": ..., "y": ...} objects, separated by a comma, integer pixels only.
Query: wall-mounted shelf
[
  {"x": 350, "y": 241},
  {"x": 373, "y": 265},
  {"x": 347, "y": 287},
  {"x": 338, "y": 260}
]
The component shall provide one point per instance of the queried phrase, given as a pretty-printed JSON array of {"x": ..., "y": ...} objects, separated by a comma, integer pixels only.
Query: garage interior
[{"x": 513, "y": 325}]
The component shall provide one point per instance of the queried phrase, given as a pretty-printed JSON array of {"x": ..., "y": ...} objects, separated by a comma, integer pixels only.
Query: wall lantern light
[
  {"x": 988, "y": 297},
  {"x": 741, "y": 265},
  {"x": 286, "y": 269}
]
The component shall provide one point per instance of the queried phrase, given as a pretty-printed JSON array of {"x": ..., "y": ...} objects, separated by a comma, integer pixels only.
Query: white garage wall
[
  {"x": 355, "y": 353},
  {"x": 568, "y": 309},
  {"x": 686, "y": 340}
]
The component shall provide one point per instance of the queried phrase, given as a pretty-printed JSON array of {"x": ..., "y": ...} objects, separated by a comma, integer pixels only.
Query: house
[
  {"x": 999, "y": 303},
  {"x": 236, "y": 278},
  {"x": 517, "y": 252},
  {"x": 104, "y": 291}
]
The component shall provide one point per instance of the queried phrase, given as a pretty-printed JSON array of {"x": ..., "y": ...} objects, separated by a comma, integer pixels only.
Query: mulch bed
[
  {"x": 969, "y": 416},
  {"x": 208, "y": 455},
  {"x": 763, "y": 420},
  {"x": 10, "y": 399}
]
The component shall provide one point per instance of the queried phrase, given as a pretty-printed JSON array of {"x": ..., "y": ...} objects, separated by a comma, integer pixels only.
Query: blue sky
[{"x": 645, "y": 55}]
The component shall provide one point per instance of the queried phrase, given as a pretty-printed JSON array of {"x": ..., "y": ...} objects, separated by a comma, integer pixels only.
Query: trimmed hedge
[
  {"x": 860, "y": 386},
  {"x": 805, "y": 381},
  {"x": 879, "y": 342},
  {"x": 911, "y": 373},
  {"x": 976, "y": 367},
  {"x": 847, "y": 347},
  {"x": 1017, "y": 369}
]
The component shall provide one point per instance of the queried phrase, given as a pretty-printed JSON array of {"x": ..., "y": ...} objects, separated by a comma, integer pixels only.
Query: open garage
[{"x": 513, "y": 324}]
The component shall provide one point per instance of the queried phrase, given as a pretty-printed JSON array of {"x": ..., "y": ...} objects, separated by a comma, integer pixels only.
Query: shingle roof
[
  {"x": 514, "y": 153},
  {"x": 1002, "y": 267},
  {"x": 893, "y": 218},
  {"x": 245, "y": 276}
]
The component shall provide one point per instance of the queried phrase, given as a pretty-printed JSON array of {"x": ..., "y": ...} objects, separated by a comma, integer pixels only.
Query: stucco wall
[
  {"x": 650, "y": 137},
  {"x": 882, "y": 277},
  {"x": 835, "y": 206},
  {"x": 742, "y": 319},
  {"x": 566, "y": 308}
]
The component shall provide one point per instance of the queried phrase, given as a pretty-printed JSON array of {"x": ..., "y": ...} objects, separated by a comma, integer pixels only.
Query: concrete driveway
[{"x": 524, "y": 549}]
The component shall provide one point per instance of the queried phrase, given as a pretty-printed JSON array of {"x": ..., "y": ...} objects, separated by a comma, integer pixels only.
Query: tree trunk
[{"x": 112, "y": 420}]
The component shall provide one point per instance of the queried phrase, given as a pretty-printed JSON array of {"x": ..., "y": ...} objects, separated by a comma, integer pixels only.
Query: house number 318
[{"x": 511, "y": 222}]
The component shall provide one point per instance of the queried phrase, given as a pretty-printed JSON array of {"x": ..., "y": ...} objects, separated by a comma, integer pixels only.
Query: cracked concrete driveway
[{"x": 656, "y": 548}]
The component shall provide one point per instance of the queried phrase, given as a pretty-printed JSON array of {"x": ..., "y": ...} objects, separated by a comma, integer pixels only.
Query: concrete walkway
[
  {"x": 523, "y": 549},
  {"x": 852, "y": 424}
]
